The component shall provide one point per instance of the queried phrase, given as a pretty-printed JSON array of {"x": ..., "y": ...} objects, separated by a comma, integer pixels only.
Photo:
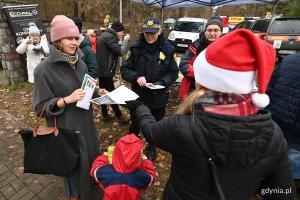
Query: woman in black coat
[{"x": 222, "y": 145}]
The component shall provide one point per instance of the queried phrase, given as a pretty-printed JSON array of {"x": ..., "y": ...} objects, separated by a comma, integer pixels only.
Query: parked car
[
  {"x": 186, "y": 30},
  {"x": 284, "y": 34},
  {"x": 244, "y": 24},
  {"x": 168, "y": 26},
  {"x": 259, "y": 26},
  {"x": 169, "y": 23}
]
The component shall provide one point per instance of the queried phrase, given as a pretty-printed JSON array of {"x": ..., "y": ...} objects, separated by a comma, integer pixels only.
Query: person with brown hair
[
  {"x": 223, "y": 146},
  {"x": 57, "y": 85}
]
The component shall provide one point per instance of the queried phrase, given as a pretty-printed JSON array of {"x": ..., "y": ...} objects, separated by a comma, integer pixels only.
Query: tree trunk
[{"x": 133, "y": 21}]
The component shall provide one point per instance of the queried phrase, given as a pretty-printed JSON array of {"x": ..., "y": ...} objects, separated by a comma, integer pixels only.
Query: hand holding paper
[
  {"x": 102, "y": 92},
  {"x": 154, "y": 86},
  {"x": 88, "y": 87}
]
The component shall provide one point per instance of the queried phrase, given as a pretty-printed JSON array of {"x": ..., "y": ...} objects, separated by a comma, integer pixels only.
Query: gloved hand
[
  {"x": 133, "y": 104},
  {"x": 158, "y": 83}
]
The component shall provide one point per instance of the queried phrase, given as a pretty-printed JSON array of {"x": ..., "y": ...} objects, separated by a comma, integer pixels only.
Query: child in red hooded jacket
[{"x": 129, "y": 174}]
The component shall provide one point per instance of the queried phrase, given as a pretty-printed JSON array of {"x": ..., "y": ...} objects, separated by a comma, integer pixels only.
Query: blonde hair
[
  {"x": 90, "y": 32},
  {"x": 186, "y": 107},
  {"x": 106, "y": 19}
]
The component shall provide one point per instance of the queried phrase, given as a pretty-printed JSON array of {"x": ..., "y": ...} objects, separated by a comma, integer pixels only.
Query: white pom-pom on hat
[{"x": 260, "y": 100}]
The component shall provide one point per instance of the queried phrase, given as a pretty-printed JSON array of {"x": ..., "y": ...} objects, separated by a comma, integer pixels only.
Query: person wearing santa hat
[
  {"x": 223, "y": 144},
  {"x": 213, "y": 31}
]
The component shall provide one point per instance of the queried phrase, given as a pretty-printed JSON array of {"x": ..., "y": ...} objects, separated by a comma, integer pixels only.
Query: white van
[{"x": 186, "y": 30}]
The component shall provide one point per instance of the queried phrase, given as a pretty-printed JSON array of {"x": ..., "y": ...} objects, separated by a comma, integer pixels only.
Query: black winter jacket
[
  {"x": 284, "y": 93},
  {"x": 159, "y": 66},
  {"x": 108, "y": 50},
  {"x": 250, "y": 154},
  {"x": 192, "y": 52}
]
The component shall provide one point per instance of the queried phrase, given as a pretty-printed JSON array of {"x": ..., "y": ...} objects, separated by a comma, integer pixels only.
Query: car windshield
[
  {"x": 244, "y": 24},
  {"x": 194, "y": 27},
  {"x": 285, "y": 26},
  {"x": 260, "y": 25}
]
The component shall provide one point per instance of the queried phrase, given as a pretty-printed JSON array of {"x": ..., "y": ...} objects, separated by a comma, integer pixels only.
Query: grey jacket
[
  {"x": 54, "y": 79},
  {"x": 108, "y": 51}
]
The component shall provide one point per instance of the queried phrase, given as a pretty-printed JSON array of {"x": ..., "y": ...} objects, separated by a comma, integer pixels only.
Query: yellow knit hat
[{"x": 106, "y": 19}]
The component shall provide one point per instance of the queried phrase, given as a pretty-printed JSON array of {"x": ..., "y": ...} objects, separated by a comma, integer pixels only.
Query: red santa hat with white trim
[{"x": 230, "y": 65}]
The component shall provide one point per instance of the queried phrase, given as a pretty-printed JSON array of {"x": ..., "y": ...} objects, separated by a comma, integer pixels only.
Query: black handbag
[{"x": 50, "y": 150}]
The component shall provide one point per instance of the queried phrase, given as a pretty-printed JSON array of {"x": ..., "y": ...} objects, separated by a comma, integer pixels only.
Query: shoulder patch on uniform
[{"x": 162, "y": 56}]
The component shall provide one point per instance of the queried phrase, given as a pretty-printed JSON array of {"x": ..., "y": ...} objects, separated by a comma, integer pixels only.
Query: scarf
[
  {"x": 204, "y": 42},
  {"x": 227, "y": 104},
  {"x": 151, "y": 48},
  {"x": 71, "y": 59}
]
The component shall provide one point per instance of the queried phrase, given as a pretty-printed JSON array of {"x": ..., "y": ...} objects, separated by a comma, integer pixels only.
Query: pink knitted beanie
[{"x": 63, "y": 27}]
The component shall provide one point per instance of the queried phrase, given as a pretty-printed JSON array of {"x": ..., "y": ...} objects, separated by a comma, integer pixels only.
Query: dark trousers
[
  {"x": 108, "y": 84},
  {"x": 158, "y": 114}
]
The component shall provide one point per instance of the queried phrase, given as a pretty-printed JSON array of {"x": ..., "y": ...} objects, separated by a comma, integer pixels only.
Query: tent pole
[
  {"x": 120, "y": 58},
  {"x": 274, "y": 9},
  {"x": 121, "y": 11}
]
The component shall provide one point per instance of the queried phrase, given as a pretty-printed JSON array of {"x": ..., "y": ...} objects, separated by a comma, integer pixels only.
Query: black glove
[
  {"x": 158, "y": 83},
  {"x": 133, "y": 104}
]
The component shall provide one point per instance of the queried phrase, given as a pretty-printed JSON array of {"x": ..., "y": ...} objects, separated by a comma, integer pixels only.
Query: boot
[
  {"x": 106, "y": 118},
  {"x": 124, "y": 119}
]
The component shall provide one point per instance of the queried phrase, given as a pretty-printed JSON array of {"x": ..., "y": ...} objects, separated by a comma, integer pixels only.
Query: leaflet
[
  {"x": 117, "y": 96},
  {"x": 154, "y": 87},
  {"x": 88, "y": 85}
]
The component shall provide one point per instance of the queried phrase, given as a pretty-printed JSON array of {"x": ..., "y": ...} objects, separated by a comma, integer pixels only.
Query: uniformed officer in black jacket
[{"x": 150, "y": 60}]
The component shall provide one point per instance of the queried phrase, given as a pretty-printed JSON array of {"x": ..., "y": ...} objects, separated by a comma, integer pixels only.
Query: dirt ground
[{"x": 18, "y": 101}]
